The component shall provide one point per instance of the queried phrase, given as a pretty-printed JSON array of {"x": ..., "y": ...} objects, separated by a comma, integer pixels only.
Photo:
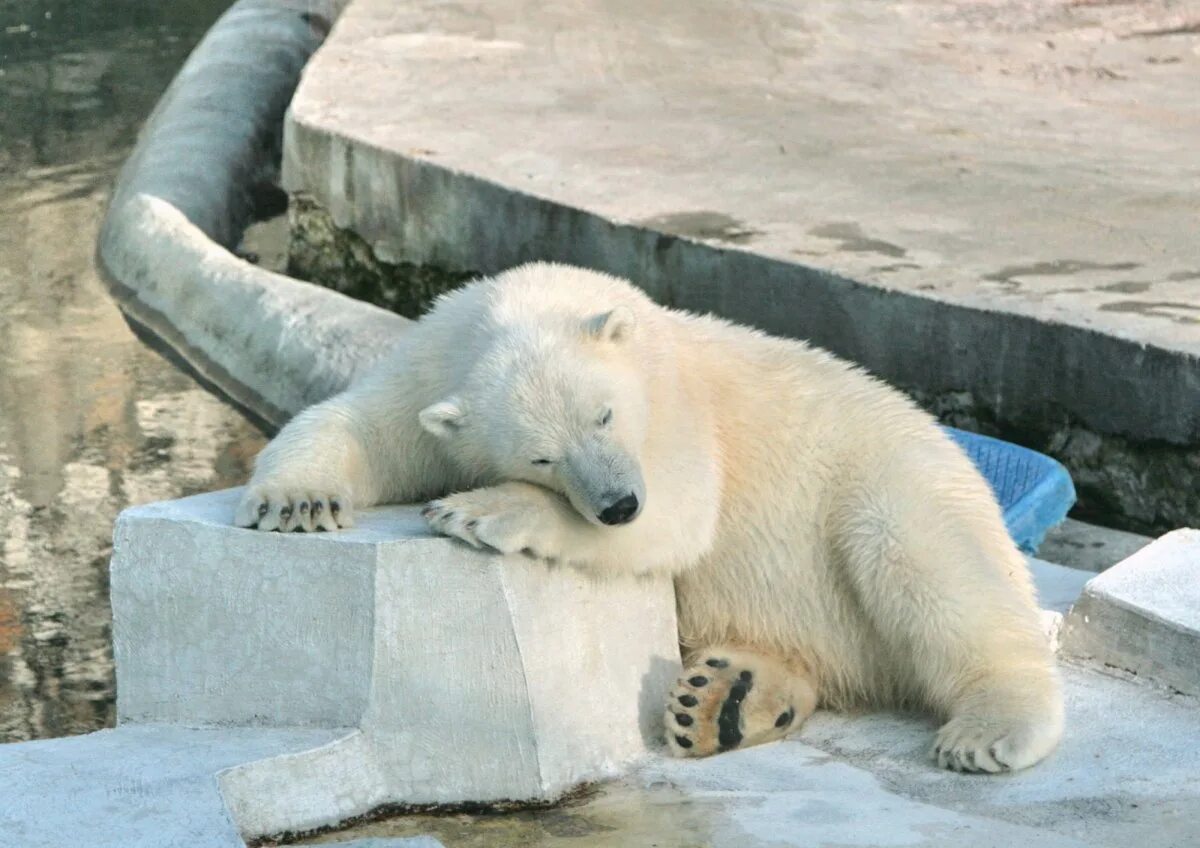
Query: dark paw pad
[
  {"x": 688, "y": 700},
  {"x": 683, "y": 741},
  {"x": 785, "y": 718},
  {"x": 729, "y": 731},
  {"x": 683, "y": 719},
  {"x": 713, "y": 662},
  {"x": 698, "y": 681}
]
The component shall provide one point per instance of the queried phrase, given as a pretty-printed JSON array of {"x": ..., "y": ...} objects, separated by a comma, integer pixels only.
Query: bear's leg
[
  {"x": 731, "y": 697},
  {"x": 362, "y": 447},
  {"x": 956, "y": 600}
]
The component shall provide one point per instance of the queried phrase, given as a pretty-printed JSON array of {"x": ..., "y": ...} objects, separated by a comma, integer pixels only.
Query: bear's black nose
[{"x": 621, "y": 512}]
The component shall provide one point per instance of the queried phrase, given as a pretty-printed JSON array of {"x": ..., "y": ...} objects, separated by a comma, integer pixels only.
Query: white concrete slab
[
  {"x": 1143, "y": 615},
  {"x": 462, "y": 671}
]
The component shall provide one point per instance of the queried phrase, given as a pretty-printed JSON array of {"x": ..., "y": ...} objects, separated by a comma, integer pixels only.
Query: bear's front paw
[
  {"x": 497, "y": 518},
  {"x": 298, "y": 509}
]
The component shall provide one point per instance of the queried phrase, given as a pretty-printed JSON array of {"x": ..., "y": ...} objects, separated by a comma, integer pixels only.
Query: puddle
[
  {"x": 851, "y": 239},
  {"x": 90, "y": 420},
  {"x": 702, "y": 225},
  {"x": 1057, "y": 267},
  {"x": 613, "y": 816}
]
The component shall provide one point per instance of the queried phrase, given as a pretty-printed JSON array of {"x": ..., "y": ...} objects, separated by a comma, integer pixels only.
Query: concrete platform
[
  {"x": 985, "y": 204},
  {"x": 277, "y": 683}
]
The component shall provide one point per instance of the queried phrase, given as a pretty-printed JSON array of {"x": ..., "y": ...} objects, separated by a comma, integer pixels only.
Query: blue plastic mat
[{"x": 1034, "y": 490}]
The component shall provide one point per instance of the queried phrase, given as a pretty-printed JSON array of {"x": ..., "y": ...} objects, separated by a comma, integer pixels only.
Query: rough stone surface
[
  {"x": 1143, "y": 615},
  {"x": 822, "y": 170},
  {"x": 462, "y": 671},
  {"x": 340, "y": 260}
]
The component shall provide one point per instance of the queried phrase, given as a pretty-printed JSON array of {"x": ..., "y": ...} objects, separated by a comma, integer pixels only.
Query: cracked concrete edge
[{"x": 269, "y": 344}]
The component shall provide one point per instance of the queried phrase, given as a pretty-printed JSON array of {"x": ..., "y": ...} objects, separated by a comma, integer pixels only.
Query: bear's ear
[
  {"x": 616, "y": 325},
  {"x": 443, "y": 418}
]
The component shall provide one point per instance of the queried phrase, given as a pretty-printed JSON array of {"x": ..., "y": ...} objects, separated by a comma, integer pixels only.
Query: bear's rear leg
[{"x": 732, "y": 698}]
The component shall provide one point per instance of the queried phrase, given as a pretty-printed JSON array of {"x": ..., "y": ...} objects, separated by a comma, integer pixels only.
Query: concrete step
[{"x": 1143, "y": 616}]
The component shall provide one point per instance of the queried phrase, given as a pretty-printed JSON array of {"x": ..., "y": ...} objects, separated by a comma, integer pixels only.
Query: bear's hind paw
[
  {"x": 732, "y": 699},
  {"x": 991, "y": 744}
]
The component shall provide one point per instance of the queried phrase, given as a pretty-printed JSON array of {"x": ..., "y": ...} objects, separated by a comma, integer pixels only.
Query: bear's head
[{"x": 559, "y": 403}]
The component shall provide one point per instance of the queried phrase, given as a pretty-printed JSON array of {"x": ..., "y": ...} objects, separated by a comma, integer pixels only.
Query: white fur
[{"x": 806, "y": 510}]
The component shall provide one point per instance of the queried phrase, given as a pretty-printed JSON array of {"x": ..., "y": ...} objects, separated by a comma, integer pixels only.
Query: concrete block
[
  {"x": 459, "y": 676},
  {"x": 1143, "y": 615}
]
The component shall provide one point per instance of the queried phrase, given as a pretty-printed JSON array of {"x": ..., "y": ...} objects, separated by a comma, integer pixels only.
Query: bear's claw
[{"x": 292, "y": 510}]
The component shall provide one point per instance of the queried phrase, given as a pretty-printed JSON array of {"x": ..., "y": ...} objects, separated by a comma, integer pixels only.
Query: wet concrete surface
[
  {"x": 609, "y": 816},
  {"x": 90, "y": 420}
]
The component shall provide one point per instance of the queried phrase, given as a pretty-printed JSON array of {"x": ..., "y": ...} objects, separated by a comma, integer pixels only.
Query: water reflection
[{"x": 90, "y": 421}]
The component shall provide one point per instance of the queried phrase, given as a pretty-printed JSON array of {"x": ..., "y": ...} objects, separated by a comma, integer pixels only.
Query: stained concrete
[
  {"x": 1143, "y": 615},
  {"x": 987, "y": 201}
]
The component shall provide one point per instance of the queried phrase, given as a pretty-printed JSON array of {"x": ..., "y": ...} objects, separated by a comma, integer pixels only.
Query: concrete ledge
[
  {"x": 1143, "y": 615},
  {"x": 463, "y": 671}
]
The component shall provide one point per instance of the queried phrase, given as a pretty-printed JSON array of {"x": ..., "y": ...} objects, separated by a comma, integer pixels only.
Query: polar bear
[{"x": 829, "y": 544}]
